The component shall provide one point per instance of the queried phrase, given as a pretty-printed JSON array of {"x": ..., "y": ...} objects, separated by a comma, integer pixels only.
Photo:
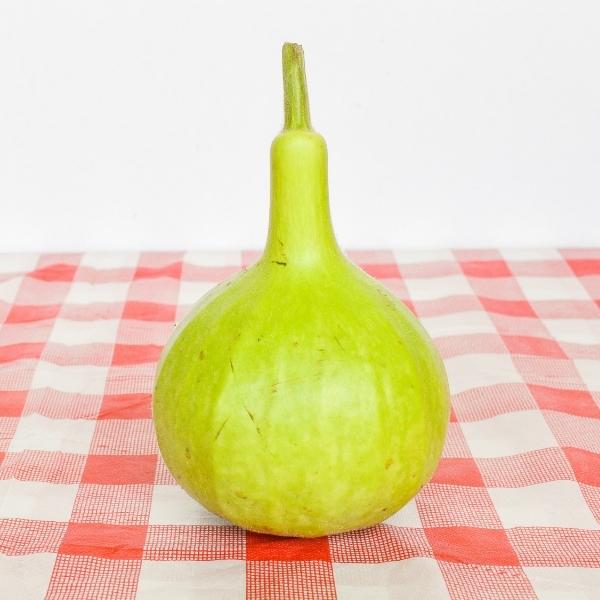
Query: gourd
[{"x": 300, "y": 397}]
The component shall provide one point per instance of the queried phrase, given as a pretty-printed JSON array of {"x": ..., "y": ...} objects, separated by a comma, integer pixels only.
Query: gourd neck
[{"x": 300, "y": 230}]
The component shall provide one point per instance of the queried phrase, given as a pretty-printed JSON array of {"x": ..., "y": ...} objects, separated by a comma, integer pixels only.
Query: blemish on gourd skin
[
  {"x": 389, "y": 462},
  {"x": 221, "y": 429},
  {"x": 282, "y": 253},
  {"x": 201, "y": 355},
  {"x": 279, "y": 262},
  {"x": 231, "y": 365},
  {"x": 253, "y": 420}
]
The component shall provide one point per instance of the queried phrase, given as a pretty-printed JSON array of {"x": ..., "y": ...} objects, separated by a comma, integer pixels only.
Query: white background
[{"x": 144, "y": 124}]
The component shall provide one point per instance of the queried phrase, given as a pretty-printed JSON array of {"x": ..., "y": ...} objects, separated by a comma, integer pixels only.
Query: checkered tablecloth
[{"x": 89, "y": 511}]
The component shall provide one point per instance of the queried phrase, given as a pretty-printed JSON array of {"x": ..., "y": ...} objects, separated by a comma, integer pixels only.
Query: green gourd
[{"x": 300, "y": 397}]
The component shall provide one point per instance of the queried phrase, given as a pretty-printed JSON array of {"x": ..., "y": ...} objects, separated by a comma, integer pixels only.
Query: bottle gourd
[{"x": 300, "y": 397}]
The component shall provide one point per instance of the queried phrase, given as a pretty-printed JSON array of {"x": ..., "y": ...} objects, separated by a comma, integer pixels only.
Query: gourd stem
[{"x": 295, "y": 93}]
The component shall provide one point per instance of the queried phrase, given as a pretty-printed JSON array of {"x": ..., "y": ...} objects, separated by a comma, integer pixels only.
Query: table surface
[{"x": 88, "y": 509}]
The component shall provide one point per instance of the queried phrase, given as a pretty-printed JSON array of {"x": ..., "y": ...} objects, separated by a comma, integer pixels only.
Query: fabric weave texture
[{"x": 89, "y": 510}]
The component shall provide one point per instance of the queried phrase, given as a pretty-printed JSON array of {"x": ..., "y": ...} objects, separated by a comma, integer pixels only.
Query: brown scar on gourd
[{"x": 221, "y": 429}]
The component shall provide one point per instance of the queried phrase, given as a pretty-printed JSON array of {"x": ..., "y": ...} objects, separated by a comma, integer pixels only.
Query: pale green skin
[{"x": 301, "y": 398}]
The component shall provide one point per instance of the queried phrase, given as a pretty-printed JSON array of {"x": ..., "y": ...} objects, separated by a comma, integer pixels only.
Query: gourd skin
[
  {"x": 301, "y": 402},
  {"x": 301, "y": 398}
]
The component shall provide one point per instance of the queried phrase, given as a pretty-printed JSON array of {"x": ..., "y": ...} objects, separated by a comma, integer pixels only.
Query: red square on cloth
[
  {"x": 585, "y": 464},
  {"x": 134, "y": 354},
  {"x": 471, "y": 545},
  {"x": 110, "y": 469},
  {"x": 573, "y": 402},
  {"x": 536, "y": 346},
  {"x": 172, "y": 270},
  {"x": 485, "y": 268},
  {"x": 458, "y": 471},
  {"x": 585, "y": 266},
  {"x": 126, "y": 406},
  {"x": 270, "y": 547},
  {"x": 22, "y": 351},
  {"x": 12, "y": 403},
  {"x": 26, "y": 313},
  {"x": 149, "y": 311},
  {"x": 104, "y": 541},
  {"x": 382, "y": 271},
  {"x": 56, "y": 272},
  {"x": 514, "y": 308}
]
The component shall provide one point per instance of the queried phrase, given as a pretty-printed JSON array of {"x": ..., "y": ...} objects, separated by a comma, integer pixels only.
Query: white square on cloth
[
  {"x": 433, "y": 288},
  {"x": 26, "y": 577},
  {"x": 36, "y": 500},
  {"x": 36, "y": 432},
  {"x": 221, "y": 258},
  {"x": 110, "y": 260},
  {"x": 508, "y": 434},
  {"x": 551, "y": 504},
  {"x": 407, "y": 516},
  {"x": 101, "y": 331},
  {"x": 575, "y": 331},
  {"x": 90, "y": 293},
  {"x": 463, "y": 323},
  {"x": 171, "y": 505},
  {"x": 589, "y": 370},
  {"x": 18, "y": 263},
  {"x": 530, "y": 254},
  {"x": 419, "y": 578},
  {"x": 191, "y": 291},
  {"x": 82, "y": 379},
  {"x": 552, "y": 288},
  {"x": 560, "y": 583},
  {"x": 469, "y": 371},
  {"x": 9, "y": 289},
  {"x": 190, "y": 580},
  {"x": 407, "y": 256}
]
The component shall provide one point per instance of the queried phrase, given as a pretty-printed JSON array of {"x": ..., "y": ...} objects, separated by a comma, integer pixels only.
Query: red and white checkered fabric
[{"x": 88, "y": 510}]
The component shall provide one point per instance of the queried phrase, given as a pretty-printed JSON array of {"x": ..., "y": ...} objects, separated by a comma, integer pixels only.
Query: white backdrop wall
[{"x": 144, "y": 124}]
